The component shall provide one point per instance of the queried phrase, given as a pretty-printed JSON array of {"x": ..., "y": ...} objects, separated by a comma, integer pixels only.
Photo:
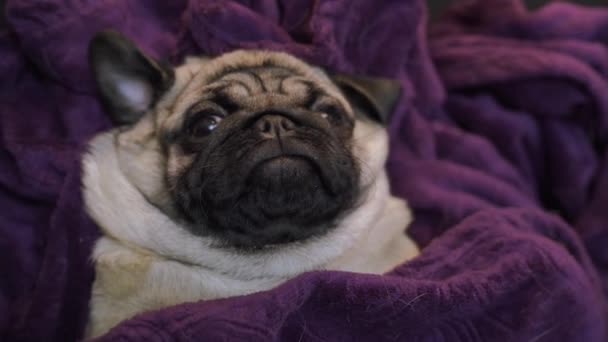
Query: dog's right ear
[{"x": 129, "y": 82}]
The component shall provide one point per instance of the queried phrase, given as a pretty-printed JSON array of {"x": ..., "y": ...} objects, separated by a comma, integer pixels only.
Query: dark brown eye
[
  {"x": 330, "y": 112},
  {"x": 205, "y": 124}
]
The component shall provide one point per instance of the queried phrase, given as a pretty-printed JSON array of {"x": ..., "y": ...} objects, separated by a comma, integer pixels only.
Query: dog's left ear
[
  {"x": 129, "y": 81},
  {"x": 376, "y": 97}
]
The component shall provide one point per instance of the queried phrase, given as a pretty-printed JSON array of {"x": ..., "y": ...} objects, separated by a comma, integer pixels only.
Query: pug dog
[{"x": 230, "y": 175}]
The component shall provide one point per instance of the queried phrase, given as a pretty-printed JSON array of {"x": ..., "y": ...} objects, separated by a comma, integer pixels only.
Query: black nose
[{"x": 273, "y": 126}]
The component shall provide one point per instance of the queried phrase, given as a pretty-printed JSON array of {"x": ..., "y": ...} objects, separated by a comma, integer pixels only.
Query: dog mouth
[
  {"x": 285, "y": 166},
  {"x": 286, "y": 173},
  {"x": 285, "y": 160},
  {"x": 273, "y": 192}
]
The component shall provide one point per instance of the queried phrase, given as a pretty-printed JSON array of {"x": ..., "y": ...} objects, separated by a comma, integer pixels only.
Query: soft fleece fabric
[{"x": 498, "y": 144}]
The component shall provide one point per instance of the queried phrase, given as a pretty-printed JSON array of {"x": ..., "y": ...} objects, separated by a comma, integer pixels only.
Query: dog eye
[
  {"x": 330, "y": 112},
  {"x": 205, "y": 124}
]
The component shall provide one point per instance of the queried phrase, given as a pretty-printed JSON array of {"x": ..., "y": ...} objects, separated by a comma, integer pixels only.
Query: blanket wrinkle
[
  {"x": 498, "y": 144},
  {"x": 566, "y": 65}
]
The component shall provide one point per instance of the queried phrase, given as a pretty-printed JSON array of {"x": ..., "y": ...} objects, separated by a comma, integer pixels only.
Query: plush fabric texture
[{"x": 498, "y": 144}]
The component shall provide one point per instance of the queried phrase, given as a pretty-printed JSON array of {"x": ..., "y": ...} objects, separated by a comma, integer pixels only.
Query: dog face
[{"x": 252, "y": 148}]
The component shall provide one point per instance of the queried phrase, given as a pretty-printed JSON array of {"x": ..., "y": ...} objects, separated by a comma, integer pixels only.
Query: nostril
[
  {"x": 287, "y": 125},
  {"x": 266, "y": 126},
  {"x": 273, "y": 126}
]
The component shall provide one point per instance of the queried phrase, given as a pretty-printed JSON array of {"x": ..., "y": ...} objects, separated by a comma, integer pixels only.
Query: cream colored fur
[{"x": 146, "y": 261}]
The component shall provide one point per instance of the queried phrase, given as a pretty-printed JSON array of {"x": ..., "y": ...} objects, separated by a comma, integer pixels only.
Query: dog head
[{"x": 251, "y": 148}]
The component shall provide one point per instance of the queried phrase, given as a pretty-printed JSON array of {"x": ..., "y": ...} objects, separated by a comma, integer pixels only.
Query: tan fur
[{"x": 146, "y": 261}]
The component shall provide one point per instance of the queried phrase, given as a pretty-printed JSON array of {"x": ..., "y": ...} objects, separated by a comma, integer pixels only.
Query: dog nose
[{"x": 273, "y": 126}]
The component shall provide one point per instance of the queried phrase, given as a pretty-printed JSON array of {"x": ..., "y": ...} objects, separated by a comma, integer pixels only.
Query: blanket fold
[{"x": 498, "y": 144}]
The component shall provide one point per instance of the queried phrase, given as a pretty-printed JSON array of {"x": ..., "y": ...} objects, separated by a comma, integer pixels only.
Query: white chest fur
[{"x": 130, "y": 281}]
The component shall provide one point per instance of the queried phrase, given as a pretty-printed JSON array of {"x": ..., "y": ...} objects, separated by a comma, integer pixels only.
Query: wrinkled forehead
[{"x": 249, "y": 80}]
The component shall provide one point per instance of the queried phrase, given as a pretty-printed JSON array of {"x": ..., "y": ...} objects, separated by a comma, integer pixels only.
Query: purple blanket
[{"x": 499, "y": 145}]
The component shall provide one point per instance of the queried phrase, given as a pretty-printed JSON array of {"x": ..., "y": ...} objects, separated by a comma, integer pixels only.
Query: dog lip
[
  {"x": 283, "y": 161},
  {"x": 284, "y": 157},
  {"x": 272, "y": 150},
  {"x": 276, "y": 161}
]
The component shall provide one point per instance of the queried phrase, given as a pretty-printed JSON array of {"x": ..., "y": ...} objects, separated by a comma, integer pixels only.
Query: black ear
[
  {"x": 376, "y": 97},
  {"x": 129, "y": 81}
]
